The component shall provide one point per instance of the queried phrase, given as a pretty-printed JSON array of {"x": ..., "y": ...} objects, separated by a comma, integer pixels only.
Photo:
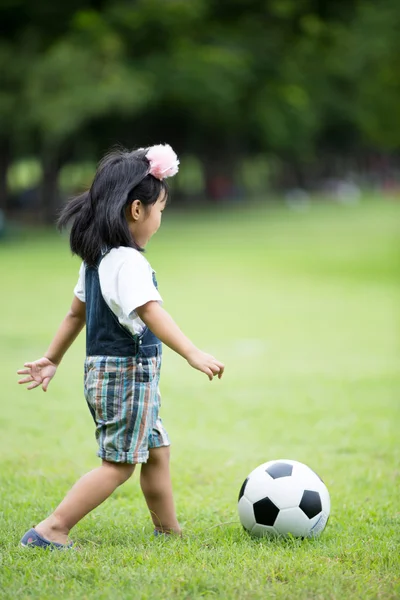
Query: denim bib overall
[{"x": 105, "y": 336}]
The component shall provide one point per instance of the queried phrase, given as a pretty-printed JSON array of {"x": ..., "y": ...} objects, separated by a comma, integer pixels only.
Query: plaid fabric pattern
[{"x": 124, "y": 400}]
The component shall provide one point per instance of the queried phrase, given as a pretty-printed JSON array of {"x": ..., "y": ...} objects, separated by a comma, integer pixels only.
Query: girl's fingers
[
  {"x": 33, "y": 372},
  {"x": 33, "y": 385},
  {"x": 221, "y": 368},
  {"x": 209, "y": 373},
  {"x": 218, "y": 369}
]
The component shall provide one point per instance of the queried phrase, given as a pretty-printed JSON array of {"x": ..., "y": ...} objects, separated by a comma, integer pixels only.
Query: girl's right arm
[{"x": 41, "y": 371}]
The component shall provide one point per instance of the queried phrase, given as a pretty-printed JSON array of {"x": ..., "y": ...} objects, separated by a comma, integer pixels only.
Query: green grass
[{"x": 302, "y": 308}]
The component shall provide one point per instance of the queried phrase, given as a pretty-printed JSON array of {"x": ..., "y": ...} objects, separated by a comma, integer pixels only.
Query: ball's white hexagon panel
[
  {"x": 310, "y": 477},
  {"x": 258, "y": 485},
  {"x": 325, "y": 498},
  {"x": 286, "y": 492},
  {"x": 294, "y": 521},
  {"x": 246, "y": 513}
]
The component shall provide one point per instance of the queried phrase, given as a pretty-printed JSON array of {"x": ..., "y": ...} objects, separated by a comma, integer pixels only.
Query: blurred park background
[
  {"x": 260, "y": 98},
  {"x": 286, "y": 117}
]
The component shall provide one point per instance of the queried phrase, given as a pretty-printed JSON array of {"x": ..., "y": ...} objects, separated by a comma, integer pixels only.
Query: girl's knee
[{"x": 121, "y": 471}]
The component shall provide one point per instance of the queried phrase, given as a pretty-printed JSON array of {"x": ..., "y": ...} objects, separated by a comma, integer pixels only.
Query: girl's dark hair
[{"x": 98, "y": 215}]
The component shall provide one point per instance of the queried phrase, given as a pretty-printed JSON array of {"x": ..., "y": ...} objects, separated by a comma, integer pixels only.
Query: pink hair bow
[{"x": 163, "y": 161}]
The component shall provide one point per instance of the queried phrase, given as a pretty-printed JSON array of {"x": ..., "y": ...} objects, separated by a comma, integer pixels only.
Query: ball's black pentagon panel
[
  {"x": 279, "y": 469},
  {"x": 311, "y": 504},
  {"x": 243, "y": 488},
  {"x": 265, "y": 512}
]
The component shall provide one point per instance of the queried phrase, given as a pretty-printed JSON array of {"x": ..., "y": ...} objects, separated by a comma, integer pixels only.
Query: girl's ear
[{"x": 135, "y": 209}]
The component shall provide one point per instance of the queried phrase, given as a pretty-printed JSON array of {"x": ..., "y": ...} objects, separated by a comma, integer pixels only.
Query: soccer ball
[{"x": 282, "y": 498}]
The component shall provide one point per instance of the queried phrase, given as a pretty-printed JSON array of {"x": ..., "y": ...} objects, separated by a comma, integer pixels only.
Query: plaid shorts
[{"x": 124, "y": 400}]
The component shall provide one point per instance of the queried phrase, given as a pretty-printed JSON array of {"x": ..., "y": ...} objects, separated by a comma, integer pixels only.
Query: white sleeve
[
  {"x": 135, "y": 285},
  {"x": 79, "y": 289}
]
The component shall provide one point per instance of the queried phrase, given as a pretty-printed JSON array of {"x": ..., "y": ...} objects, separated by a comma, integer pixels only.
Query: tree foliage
[{"x": 220, "y": 78}]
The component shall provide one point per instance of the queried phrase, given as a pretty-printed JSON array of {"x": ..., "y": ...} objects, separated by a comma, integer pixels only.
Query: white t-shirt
[{"x": 126, "y": 282}]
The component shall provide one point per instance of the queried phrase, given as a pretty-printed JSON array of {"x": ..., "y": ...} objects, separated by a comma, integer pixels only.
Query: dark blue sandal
[
  {"x": 158, "y": 533},
  {"x": 32, "y": 538}
]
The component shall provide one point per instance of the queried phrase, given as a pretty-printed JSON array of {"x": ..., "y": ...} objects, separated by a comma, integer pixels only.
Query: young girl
[{"x": 116, "y": 297}]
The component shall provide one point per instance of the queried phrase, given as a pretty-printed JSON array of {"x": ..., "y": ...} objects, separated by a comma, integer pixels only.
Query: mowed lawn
[{"x": 303, "y": 309}]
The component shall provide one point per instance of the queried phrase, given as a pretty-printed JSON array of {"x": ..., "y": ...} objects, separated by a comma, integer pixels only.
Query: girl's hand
[
  {"x": 39, "y": 372},
  {"x": 206, "y": 363}
]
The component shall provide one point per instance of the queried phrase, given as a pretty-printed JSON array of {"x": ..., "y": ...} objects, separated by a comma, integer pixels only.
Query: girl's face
[{"x": 144, "y": 221}]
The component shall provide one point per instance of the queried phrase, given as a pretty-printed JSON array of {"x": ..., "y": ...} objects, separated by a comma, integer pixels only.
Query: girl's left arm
[
  {"x": 164, "y": 327},
  {"x": 41, "y": 371}
]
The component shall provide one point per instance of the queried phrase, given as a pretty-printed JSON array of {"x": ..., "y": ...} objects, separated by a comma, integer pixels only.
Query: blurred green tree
[{"x": 222, "y": 79}]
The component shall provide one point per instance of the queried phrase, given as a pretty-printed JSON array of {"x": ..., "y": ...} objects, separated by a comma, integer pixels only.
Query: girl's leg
[
  {"x": 87, "y": 493},
  {"x": 155, "y": 481}
]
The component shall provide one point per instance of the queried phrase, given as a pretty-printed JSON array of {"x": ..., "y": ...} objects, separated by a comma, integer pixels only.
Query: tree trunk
[
  {"x": 5, "y": 160},
  {"x": 49, "y": 188},
  {"x": 220, "y": 176}
]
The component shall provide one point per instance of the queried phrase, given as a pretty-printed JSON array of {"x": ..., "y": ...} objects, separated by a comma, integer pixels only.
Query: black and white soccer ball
[{"x": 283, "y": 498}]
